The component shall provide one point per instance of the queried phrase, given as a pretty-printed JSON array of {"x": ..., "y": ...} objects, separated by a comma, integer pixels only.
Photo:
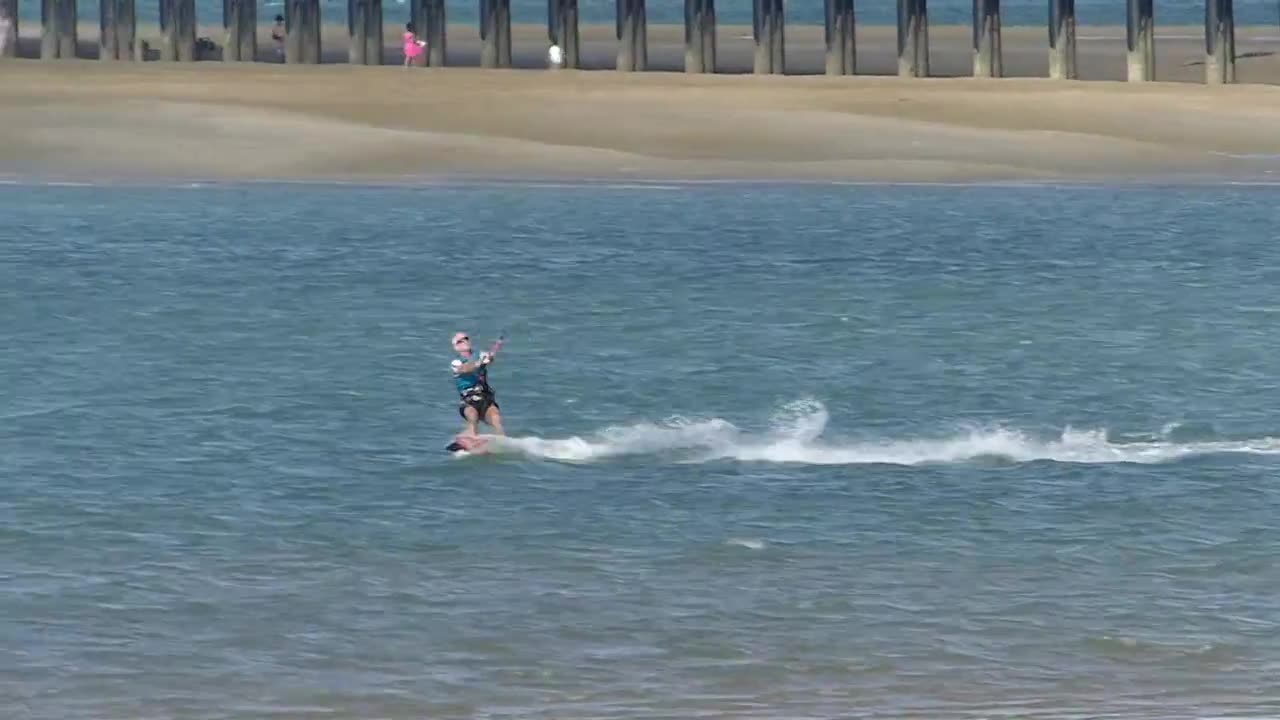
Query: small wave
[
  {"x": 796, "y": 431},
  {"x": 38, "y": 411},
  {"x": 1139, "y": 651}
]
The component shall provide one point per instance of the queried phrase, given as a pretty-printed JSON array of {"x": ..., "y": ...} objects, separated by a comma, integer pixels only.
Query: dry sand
[{"x": 89, "y": 120}]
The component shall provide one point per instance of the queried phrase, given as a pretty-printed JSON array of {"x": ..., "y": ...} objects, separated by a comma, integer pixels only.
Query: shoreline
[{"x": 671, "y": 184}]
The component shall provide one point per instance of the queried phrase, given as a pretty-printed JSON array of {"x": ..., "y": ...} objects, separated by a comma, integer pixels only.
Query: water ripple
[{"x": 777, "y": 452}]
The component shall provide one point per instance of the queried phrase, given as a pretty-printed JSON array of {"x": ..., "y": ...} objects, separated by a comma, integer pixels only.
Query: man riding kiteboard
[{"x": 476, "y": 399}]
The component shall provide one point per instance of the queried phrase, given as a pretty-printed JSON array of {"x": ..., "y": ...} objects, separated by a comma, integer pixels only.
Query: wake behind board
[{"x": 469, "y": 445}]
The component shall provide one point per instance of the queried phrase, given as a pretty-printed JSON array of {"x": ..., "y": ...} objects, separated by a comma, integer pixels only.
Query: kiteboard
[{"x": 470, "y": 445}]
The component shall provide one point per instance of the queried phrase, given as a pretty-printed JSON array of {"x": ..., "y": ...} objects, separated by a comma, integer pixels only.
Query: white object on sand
[{"x": 555, "y": 55}]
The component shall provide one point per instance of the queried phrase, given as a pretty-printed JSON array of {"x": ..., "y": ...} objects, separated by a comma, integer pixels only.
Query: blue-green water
[
  {"x": 808, "y": 12},
  {"x": 780, "y": 452}
]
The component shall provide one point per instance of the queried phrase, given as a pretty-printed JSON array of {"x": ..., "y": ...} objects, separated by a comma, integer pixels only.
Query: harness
[
  {"x": 477, "y": 393},
  {"x": 480, "y": 391}
]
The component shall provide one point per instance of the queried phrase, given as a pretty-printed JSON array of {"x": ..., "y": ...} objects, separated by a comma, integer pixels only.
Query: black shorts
[{"x": 481, "y": 401}]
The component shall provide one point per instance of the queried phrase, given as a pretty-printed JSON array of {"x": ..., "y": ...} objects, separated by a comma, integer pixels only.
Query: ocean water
[
  {"x": 809, "y": 12},
  {"x": 776, "y": 452}
]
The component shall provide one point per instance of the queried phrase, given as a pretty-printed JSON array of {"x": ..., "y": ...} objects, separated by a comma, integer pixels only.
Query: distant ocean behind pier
[
  {"x": 805, "y": 12},
  {"x": 866, "y": 451}
]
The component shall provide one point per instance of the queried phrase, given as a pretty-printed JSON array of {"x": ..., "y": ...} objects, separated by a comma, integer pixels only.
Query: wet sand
[{"x": 90, "y": 119}]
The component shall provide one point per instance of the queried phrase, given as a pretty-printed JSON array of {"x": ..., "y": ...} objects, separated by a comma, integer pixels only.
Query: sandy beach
[{"x": 87, "y": 119}]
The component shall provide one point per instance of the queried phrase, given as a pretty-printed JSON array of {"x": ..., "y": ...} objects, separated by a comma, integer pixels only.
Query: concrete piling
[
  {"x": 1140, "y": 35},
  {"x": 364, "y": 30},
  {"x": 117, "y": 29},
  {"x": 428, "y": 18},
  {"x": 1062, "y": 40},
  {"x": 841, "y": 54},
  {"x": 633, "y": 36},
  {"x": 768, "y": 26},
  {"x": 58, "y": 36},
  {"x": 562, "y": 30},
  {"x": 240, "y": 21},
  {"x": 302, "y": 32},
  {"x": 700, "y": 36},
  {"x": 987, "y": 56},
  {"x": 913, "y": 38},
  {"x": 495, "y": 33},
  {"x": 8, "y": 28},
  {"x": 1219, "y": 42},
  {"x": 437, "y": 24},
  {"x": 178, "y": 30}
]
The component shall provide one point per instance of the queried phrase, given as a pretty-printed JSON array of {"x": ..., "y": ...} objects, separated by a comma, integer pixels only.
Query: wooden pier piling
[
  {"x": 58, "y": 36},
  {"x": 841, "y": 48},
  {"x": 633, "y": 36},
  {"x": 1062, "y": 40},
  {"x": 8, "y": 28},
  {"x": 302, "y": 31},
  {"x": 700, "y": 36},
  {"x": 364, "y": 31},
  {"x": 1219, "y": 42},
  {"x": 768, "y": 26},
  {"x": 1140, "y": 35},
  {"x": 240, "y": 20},
  {"x": 562, "y": 30},
  {"x": 117, "y": 29},
  {"x": 987, "y": 56},
  {"x": 913, "y": 38}
]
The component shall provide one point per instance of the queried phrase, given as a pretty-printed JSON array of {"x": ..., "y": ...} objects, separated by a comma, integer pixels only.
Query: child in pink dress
[{"x": 413, "y": 47}]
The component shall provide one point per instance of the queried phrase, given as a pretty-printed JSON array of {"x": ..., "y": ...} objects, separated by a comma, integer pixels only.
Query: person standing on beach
[
  {"x": 277, "y": 34},
  {"x": 472, "y": 377},
  {"x": 413, "y": 47},
  {"x": 6, "y": 27}
]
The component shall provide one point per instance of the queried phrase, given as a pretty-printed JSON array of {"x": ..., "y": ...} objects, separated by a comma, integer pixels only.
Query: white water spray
[{"x": 796, "y": 436}]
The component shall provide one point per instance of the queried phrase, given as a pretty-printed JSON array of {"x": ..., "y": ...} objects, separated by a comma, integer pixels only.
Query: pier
[{"x": 119, "y": 39}]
